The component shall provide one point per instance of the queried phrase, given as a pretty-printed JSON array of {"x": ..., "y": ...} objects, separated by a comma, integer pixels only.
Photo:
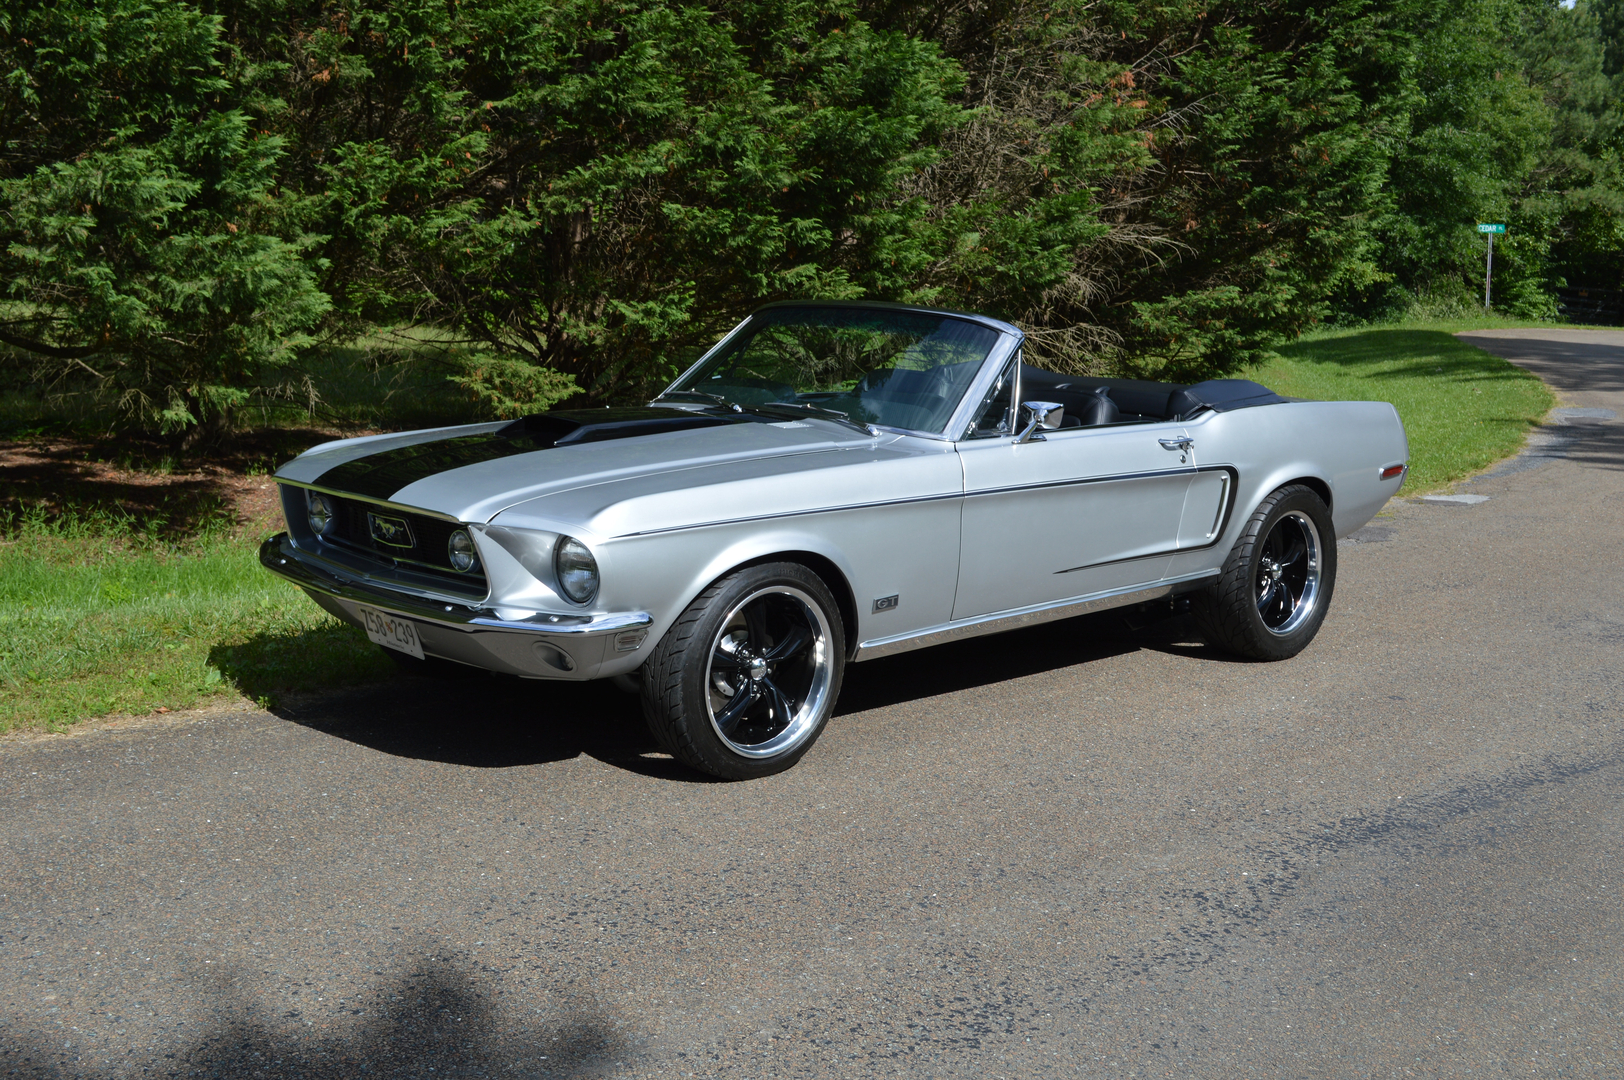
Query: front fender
[{"x": 668, "y": 571}]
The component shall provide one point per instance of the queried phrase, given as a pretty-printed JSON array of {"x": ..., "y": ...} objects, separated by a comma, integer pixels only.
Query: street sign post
[{"x": 1488, "y": 269}]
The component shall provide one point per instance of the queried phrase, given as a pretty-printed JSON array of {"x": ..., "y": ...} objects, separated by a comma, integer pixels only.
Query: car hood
[{"x": 473, "y": 473}]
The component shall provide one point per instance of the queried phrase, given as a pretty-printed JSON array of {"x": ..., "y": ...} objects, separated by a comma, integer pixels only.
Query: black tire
[
  {"x": 1276, "y": 584},
  {"x": 433, "y": 667},
  {"x": 743, "y": 683}
]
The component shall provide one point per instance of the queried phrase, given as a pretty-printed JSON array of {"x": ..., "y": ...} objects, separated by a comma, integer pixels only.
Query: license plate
[{"x": 391, "y": 631}]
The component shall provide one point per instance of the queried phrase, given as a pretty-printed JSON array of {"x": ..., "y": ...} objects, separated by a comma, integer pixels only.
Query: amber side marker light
[{"x": 1392, "y": 471}]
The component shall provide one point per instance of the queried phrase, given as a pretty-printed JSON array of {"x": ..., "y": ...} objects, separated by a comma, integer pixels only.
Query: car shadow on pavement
[
  {"x": 985, "y": 661},
  {"x": 496, "y": 722},
  {"x": 489, "y": 722}
]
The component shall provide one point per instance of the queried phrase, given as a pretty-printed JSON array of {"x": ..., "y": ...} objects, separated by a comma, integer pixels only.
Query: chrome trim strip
[
  {"x": 569, "y": 625},
  {"x": 280, "y": 557},
  {"x": 997, "y": 622},
  {"x": 345, "y": 563},
  {"x": 1224, "y": 500},
  {"x": 991, "y": 368},
  {"x": 706, "y": 355},
  {"x": 1081, "y": 480},
  {"x": 346, "y": 546},
  {"x": 1161, "y": 554},
  {"x": 367, "y": 499},
  {"x": 795, "y": 513}
]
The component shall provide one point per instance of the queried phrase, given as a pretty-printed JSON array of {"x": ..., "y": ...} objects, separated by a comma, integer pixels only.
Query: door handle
[{"x": 1177, "y": 444}]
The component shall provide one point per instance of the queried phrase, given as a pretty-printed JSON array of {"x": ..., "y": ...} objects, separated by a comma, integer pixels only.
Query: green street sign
[{"x": 1491, "y": 228}]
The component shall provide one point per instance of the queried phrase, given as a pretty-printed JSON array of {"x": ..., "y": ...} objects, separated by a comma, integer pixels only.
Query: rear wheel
[
  {"x": 744, "y": 682},
  {"x": 1276, "y": 584}
]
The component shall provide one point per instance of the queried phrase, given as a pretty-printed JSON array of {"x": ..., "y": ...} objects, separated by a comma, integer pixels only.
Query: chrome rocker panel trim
[{"x": 999, "y": 621}]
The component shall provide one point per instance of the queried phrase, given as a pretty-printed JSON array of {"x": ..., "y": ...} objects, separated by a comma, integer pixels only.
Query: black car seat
[{"x": 1096, "y": 408}]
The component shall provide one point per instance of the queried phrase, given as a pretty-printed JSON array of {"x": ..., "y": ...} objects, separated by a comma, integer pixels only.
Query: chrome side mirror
[{"x": 1042, "y": 416}]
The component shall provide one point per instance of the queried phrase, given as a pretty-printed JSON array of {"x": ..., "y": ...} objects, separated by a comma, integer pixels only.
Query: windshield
[{"x": 901, "y": 369}]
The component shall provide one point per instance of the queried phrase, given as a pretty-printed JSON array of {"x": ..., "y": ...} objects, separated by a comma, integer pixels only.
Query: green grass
[
  {"x": 1463, "y": 408},
  {"x": 96, "y": 620}
]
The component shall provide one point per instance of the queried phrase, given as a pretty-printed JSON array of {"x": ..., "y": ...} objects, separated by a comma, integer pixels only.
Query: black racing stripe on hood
[{"x": 380, "y": 475}]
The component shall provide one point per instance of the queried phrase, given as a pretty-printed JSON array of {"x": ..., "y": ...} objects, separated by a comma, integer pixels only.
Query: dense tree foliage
[
  {"x": 1513, "y": 119},
  {"x": 570, "y": 196},
  {"x": 146, "y": 250}
]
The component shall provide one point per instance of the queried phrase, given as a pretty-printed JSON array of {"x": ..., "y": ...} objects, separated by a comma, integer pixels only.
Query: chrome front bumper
[{"x": 545, "y": 645}]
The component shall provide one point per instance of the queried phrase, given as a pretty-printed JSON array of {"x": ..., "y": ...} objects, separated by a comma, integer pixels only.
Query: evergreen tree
[
  {"x": 572, "y": 196},
  {"x": 146, "y": 253}
]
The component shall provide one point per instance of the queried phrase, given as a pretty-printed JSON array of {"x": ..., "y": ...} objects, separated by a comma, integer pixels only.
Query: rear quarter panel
[{"x": 1342, "y": 444}]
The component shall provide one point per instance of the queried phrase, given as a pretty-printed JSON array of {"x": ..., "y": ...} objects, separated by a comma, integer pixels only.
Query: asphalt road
[{"x": 1073, "y": 851}]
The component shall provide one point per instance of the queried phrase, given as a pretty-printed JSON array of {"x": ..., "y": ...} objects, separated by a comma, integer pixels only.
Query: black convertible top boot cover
[{"x": 1221, "y": 395}]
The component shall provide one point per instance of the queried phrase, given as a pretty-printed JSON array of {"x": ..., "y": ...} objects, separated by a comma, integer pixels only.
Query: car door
[{"x": 1085, "y": 510}]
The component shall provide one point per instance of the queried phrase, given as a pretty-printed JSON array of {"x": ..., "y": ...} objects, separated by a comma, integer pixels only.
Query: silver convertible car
[{"x": 830, "y": 483}]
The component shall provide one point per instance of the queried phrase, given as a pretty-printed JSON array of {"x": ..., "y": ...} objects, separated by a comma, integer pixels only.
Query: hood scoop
[
  {"x": 598, "y": 425},
  {"x": 382, "y": 474}
]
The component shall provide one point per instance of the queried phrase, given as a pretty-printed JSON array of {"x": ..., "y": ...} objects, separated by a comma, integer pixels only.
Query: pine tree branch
[{"x": 54, "y": 351}]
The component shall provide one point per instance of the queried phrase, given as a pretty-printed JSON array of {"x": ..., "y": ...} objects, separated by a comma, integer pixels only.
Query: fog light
[
  {"x": 321, "y": 514},
  {"x": 464, "y": 557},
  {"x": 553, "y": 656}
]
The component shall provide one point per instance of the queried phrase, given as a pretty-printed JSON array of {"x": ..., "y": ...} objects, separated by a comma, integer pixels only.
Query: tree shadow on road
[
  {"x": 436, "y": 1020},
  {"x": 1572, "y": 366},
  {"x": 1434, "y": 353},
  {"x": 1598, "y": 445}
]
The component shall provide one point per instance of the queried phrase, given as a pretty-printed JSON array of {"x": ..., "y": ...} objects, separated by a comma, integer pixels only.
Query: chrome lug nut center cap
[{"x": 758, "y": 668}]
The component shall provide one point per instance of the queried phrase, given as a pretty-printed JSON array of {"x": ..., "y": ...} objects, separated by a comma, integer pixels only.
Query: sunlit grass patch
[
  {"x": 97, "y": 623},
  {"x": 1462, "y": 408}
]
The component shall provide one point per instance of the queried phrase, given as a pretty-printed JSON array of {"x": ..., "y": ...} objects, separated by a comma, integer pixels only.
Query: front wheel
[
  {"x": 1270, "y": 599},
  {"x": 744, "y": 682}
]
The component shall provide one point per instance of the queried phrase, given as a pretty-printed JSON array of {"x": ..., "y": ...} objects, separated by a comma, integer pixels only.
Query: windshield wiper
[
  {"x": 718, "y": 398},
  {"x": 838, "y": 417}
]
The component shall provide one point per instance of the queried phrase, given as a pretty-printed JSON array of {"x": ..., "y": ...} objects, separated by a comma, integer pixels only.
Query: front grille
[{"x": 429, "y": 538}]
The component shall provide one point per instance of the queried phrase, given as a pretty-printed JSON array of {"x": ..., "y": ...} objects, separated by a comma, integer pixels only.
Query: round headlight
[
  {"x": 461, "y": 550},
  {"x": 577, "y": 570},
  {"x": 321, "y": 513}
]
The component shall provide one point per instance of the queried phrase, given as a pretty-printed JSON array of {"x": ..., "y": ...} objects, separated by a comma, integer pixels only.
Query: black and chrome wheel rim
[
  {"x": 1286, "y": 580},
  {"x": 770, "y": 670}
]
